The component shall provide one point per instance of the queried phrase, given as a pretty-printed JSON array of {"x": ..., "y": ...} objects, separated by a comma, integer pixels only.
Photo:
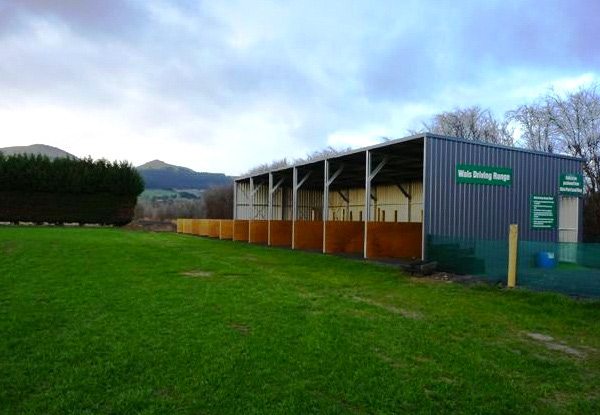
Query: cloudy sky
[{"x": 224, "y": 85}]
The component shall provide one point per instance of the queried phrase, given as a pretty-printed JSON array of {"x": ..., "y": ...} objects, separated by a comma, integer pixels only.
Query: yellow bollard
[{"x": 513, "y": 237}]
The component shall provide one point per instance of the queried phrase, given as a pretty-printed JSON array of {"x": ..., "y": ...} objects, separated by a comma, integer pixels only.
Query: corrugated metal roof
[{"x": 415, "y": 137}]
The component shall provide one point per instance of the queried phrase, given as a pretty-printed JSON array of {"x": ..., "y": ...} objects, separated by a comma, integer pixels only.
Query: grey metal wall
[{"x": 486, "y": 211}]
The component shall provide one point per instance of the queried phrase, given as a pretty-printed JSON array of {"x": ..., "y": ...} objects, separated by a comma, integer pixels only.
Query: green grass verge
[{"x": 105, "y": 321}]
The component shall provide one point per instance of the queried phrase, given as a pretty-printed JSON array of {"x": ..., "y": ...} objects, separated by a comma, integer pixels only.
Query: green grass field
[{"x": 105, "y": 321}]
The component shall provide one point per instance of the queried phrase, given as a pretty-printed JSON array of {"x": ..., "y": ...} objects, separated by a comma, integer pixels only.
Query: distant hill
[
  {"x": 42, "y": 149},
  {"x": 157, "y": 174},
  {"x": 160, "y": 175}
]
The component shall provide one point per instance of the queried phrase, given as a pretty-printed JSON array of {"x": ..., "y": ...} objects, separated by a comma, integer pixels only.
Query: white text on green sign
[
  {"x": 543, "y": 212},
  {"x": 473, "y": 174},
  {"x": 571, "y": 185}
]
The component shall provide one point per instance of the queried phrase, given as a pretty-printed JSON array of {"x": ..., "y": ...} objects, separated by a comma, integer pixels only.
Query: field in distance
[{"x": 110, "y": 321}]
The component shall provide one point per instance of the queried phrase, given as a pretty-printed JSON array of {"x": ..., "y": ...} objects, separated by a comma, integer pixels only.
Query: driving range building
[{"x": 425, "y": 196}]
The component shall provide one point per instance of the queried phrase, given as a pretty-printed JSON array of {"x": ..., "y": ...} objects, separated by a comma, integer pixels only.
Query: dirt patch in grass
[
  {"x": 196, "y": 274},
  {"x": 240, "y": 328},
  {"x": 9, "y": 248},
  {"x": 413, "y": 315},
  {"x": 550, "y": 344}
]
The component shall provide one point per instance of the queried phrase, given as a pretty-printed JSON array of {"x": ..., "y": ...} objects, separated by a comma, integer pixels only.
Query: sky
[{"x": 223, "y": 86}]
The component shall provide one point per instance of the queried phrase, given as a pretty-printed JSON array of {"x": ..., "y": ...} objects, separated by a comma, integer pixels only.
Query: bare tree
[
  {"x": 263, "y": 168},
  {"x": 280, "y": 164},
  {"x": 217, "y": 202},
  {"x": 576, "y": 117},
  {"x": 471, "y": 123},
  {"x": 328, "y": 151},
  {"x": 537, "y": 128}
]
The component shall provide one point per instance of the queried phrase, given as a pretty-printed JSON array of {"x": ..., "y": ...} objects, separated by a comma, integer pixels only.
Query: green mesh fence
[
  {"x": 574, "y": 270},
  {"x": 486, "y": 259}
]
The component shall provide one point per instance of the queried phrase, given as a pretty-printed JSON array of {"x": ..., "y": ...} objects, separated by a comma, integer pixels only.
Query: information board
[
  {"x": 571, "y": 185},
  {"x": 543, "y": 212}
]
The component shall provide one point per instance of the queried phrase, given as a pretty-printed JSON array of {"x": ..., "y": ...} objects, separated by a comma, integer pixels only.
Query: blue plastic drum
[{"x": 545, "y": 260}]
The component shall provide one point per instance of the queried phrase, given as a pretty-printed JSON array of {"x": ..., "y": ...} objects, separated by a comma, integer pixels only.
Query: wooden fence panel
[
  {"x": 344, "y": 237},
  {"x": 394, "y": 240},
  {"x": 195, "y": 226},
  {"x": 204, "y": 227},
  {"x": 240, "y": 230},
  {"x": 187, "y": 226},
  {"x": 258, "y": 230},
  {"x": 308, "y": 235},
  {"x": 226, "y": 229},
  {"x": 281, "y": 233},
  {"x": 214, "y": 228}
]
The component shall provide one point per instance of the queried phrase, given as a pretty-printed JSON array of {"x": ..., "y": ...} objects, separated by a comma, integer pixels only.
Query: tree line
[
  {"x": 34, "y": 188},
  {"x": 37, "y": 173}
]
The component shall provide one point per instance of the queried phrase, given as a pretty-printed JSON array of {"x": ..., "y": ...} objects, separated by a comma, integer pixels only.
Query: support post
[
  {"x": 234, "y": 200},
  {"x": 325, "y": 201},
  {"x": 513, "y": 237},
  {"x": 294, "y": 204},
  {"x": 251, "y": 216},
  {"x": 270, "y": 209},
  {"x": 367, "y": 198}
]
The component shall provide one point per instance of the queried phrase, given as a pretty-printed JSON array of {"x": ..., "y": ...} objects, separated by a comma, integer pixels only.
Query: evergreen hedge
[{"x": 34, "y": 188}]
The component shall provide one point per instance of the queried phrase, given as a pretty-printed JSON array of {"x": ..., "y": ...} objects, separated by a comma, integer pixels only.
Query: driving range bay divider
[{"x": 327, "y": 237}]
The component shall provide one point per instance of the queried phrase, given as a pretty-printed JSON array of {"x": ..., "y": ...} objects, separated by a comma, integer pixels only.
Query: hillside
[
  {"x": 157, "y": 174},
  {"x": 160, "y": 175},
  {"x": 42, "y": 149}
]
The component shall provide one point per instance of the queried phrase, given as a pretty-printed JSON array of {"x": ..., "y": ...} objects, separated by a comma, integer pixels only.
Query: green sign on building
[
  {"x": 472, "y": 174},
  {"x": 543, "y": 212},
  {"x": 571, "y": 185}
]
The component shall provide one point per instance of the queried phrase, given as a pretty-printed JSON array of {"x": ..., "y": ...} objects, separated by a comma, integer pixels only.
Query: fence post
[{"x": 513, "y": 237}]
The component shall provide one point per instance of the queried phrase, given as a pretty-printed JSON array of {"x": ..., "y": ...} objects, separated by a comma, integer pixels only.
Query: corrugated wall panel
[
  {"x": 242, "y": 200},
  {"x": 342, "y": 211},
  {"x": 389, "y": 200},
  {"x": 478, "y": 211},
  {"x": 310, "y": 204}
]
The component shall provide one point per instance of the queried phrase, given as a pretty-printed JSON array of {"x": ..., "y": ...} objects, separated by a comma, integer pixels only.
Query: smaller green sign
[
  {"x": 543, "y": 212},
  {"x": 571, "y": 185},
  {"x": 469, "y": 173}
]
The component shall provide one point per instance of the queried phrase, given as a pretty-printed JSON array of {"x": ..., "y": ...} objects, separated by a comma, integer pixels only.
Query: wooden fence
[{"x": 384, "y": 239}]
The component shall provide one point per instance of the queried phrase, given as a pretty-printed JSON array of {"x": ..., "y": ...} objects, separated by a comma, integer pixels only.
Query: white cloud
[{"x": 223, "y": 86}]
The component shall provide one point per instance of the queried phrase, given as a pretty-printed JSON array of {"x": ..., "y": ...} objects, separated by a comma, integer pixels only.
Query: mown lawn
[{"x": 109, "y": 321}]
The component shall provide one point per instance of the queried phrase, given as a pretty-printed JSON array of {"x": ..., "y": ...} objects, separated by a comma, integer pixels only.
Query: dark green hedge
[
  {"x": 57, "y": 208},
  {"x": 74, "y": 176},
  {"x": 37, "y": 189}
]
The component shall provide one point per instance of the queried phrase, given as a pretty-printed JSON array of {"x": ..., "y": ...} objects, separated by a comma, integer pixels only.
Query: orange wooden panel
[
  {"x": 258, "y": 230},
  {"x": 187, "y": 226},
  {"x": 344, "y": 237},
  {"x": 226, "y": 229},
  {"x": 308, "y": 235},
  {"x": 281, "y": 232},
  {"x": 204, "y": 227},
  {"x": 240, "y": 230},
  {"x": 195, "y": 227},
  {"x": 179, "y": 225},
  {"x": 394, "y": 240},
  {"x": 214, "y": 228}
]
